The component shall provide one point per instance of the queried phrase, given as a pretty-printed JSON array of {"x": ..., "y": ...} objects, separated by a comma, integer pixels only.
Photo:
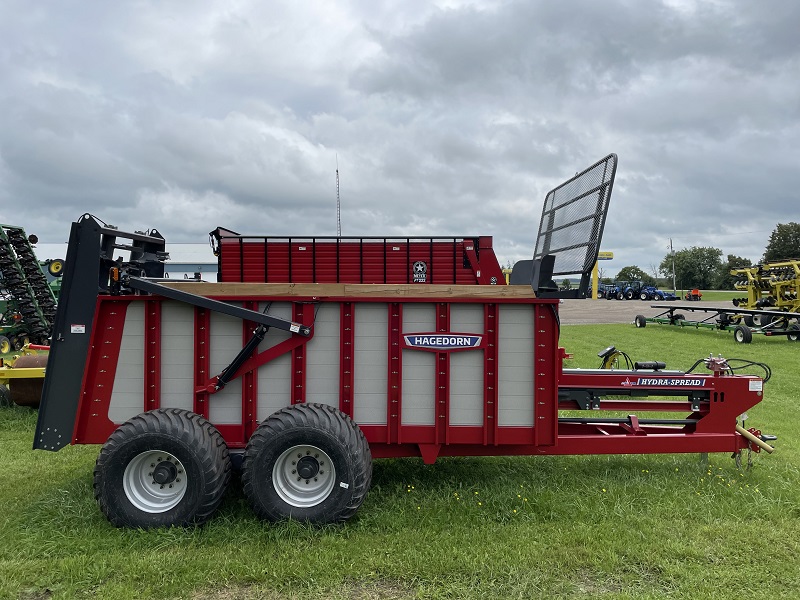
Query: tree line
[{"x": 708, "y": 268}]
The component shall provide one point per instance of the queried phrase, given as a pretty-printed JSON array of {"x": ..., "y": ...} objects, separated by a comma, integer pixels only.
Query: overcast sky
[{"x": 448, "y": 118}]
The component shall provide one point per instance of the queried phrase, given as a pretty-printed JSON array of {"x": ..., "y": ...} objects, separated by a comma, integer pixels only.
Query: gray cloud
[{"x": 446, "y": 119}]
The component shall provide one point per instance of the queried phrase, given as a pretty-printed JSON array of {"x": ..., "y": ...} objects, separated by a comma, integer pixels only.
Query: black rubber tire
[
  {"x": 748, "y": 320},
  {"x": 762, "y": 320},
  {"x": 629, "y": 295},
  {"x": 640, "y": 321},
  {"x": 658, "y": 297},
  {"x": 324, "y": 430},
  {"x": 794, "y": 337},
  {"x": 600, "y": 294},
  {"x": 620, "y": 296},
  {"x": 186, "y": 436},
  {"x": 742, "y": 334},
  {"x": 644, "y": 297},
  {"x": 5, "y": 396},
  {"x": 56, "y": 267}
]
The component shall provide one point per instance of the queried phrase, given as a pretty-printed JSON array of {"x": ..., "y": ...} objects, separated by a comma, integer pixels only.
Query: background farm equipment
[
  {"x": 772, "y": 323},
  {"x": 22, "y": 376},
  {"x": 770, "y": 286},
  {"x": 651, "y": 292},
  {"x": 28, "y": 302},
  {"x": 694, "y": 295}
]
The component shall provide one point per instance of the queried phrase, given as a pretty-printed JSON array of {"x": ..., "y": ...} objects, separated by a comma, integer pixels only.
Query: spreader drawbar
[{"x": 153, "y": 287}]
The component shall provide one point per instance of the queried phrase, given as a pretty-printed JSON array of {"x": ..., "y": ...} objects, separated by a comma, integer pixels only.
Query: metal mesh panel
[{"x": 573, "y": 218}]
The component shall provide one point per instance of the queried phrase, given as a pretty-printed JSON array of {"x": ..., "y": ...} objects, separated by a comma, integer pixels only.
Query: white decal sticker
[
  {"x": 756, "y": 385},
  {"x": 77, "y": 328},
  {"x": 294, "y": 327},
  {"x": 344, "y": 485}
]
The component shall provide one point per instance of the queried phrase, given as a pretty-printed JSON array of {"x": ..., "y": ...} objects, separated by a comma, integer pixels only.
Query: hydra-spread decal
[
  {"x": 664, "y": 381},
  {"x": 442, "y": 341}
]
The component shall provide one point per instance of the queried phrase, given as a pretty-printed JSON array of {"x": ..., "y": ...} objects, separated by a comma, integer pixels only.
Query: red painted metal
[
  {"x": 706, "y": 406},
  {"x": 92, "y": 424},
  {"x": 265, "y": 259},
  {"x": 346, "y": 341},
  {"x": 152, "y": 354}
]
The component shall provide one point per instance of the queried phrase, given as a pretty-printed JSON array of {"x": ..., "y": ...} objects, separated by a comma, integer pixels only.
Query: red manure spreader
[{"x": 311, "y": 357}]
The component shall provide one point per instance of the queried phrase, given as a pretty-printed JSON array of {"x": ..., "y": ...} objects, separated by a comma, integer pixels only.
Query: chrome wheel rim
[
  {"x": 154, "y": 481},
  {"x": 303, "y": 476}
]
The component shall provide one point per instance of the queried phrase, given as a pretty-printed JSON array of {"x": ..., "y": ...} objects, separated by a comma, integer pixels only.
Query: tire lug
[
  {"x": 306, "y": 481},
  {"x": 294, "y": 471},
  {"x": 162, "y": 487}
]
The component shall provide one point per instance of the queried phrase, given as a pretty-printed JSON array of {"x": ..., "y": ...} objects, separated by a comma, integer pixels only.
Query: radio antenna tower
[{"x": 338, "y": 202}]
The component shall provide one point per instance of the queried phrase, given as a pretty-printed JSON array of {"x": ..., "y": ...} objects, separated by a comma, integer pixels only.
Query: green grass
[{"x": 540, "y": 527}]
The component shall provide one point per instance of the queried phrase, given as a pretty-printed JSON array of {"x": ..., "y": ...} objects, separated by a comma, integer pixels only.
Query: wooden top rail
[{"x": 352, "y": 290}]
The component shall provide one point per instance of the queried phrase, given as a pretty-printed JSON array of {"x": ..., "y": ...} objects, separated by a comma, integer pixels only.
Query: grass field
[{"x": 541, "y": 527}]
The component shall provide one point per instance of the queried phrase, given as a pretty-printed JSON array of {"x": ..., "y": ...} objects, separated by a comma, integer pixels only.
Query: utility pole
[{"x": 672, "y": 253}]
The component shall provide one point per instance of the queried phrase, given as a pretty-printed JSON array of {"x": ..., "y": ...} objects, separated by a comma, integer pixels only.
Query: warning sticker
[
  {"x": 77, "y": 328},
  {"x": 756, "y": 385}
]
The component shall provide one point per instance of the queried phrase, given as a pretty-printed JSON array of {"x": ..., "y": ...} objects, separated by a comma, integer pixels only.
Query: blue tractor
[{"x": 651, "y": 292}]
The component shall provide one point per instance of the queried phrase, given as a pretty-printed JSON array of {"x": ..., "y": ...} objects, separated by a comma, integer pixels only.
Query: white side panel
[
  {"x": 322, "y": 357},
  {"x": 177, "y": 355},
  {"x": 419, "y": 368},
  {"x": 127, "y": 395},
  {"x": 275, "y": 377},
  {"x": 515, "y": 362},
  {"x": 370, "y": 363},
  {"x": 466, "y": 388},
  {"x": 225, "y": 407},
  {"x": 274, "y": 386},
  {"x": 466, "y": 368}
]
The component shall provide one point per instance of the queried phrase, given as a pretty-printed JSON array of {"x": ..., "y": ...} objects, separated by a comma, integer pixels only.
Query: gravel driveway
[{"x": 582, "y": 312}]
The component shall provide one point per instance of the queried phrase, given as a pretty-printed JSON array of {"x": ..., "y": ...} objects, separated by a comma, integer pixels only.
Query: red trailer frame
[{"x": 709, "y": 403}]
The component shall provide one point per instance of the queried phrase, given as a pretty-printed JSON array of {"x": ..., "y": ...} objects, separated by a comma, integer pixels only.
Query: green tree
[
  {"x": 634, "y": 273},
  {"x": 784, "y": 243},
  {"x": 724, "y": 280},
  {"x": 694, "y": 267}
]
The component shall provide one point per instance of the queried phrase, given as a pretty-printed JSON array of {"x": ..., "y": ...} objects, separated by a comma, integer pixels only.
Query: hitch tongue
[{"x": 752, "y": 438}]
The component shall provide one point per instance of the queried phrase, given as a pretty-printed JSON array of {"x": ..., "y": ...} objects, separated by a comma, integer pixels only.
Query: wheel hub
[
  {"x": 307, "y": 467},
  {"x": 165, "y": 472}
]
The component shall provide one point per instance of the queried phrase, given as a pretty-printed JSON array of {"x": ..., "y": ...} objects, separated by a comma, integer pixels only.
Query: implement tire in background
[
  {"x": 640, "y": 321},
  {"x": 742, "y": 334},
  {"x": 794, "y": 337},
  {"x": 162, "y": 468},
  {"x": 308, "y": 462}
]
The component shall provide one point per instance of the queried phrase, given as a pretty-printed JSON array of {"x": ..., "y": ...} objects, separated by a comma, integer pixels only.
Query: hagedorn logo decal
[{"x": 442, "y": 341}]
